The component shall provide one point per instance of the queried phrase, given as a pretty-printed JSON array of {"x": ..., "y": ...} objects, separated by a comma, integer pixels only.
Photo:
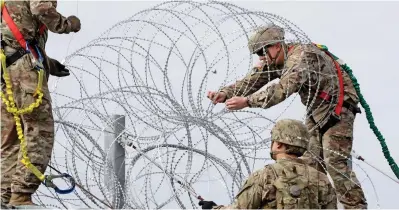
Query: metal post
[{"x": 116, "y": 157}]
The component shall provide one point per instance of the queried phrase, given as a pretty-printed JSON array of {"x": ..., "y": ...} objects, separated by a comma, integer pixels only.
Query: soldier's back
[
  {"x": 299, "y": 186},
  {"x": 321, "y": 81}
]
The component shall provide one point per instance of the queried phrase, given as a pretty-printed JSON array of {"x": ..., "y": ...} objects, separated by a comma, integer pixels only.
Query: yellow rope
[{"x": 11, "y": 108}]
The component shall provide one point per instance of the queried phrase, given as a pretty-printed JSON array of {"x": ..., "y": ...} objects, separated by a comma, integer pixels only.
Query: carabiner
[
  {"x": 39, "y": 54},
  {"x": 48, "y": 182},
  {"x": 36, "y": 62},
  {"x": 27, "y": 47}
]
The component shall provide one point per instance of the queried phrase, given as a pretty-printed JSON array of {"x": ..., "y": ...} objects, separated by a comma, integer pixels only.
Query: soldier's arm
[
  {"x": 47, "y": 13},
  {"x": 251, "y": 82},
  {"x": 295, "y": 74},
  {"x": 251, "y": 194}
]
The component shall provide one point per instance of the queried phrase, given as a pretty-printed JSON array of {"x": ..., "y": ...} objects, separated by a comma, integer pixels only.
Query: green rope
[
  {"x": 369, "y": 115},
  {"x": 370, "y": 119}
]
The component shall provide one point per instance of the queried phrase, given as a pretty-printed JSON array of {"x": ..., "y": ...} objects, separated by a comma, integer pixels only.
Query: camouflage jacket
[
  {"x": 260, "y": 192},
  {"x": 29, "y": 15},
  {"x": 307, "y": 71}
]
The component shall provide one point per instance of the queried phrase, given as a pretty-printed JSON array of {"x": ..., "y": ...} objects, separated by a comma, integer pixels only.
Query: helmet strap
[{"x": 273, "y": 59}]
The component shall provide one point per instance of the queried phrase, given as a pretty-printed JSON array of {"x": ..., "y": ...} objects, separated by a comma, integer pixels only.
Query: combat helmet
[
  {"x": 265, "y": 35},
  {"x": 291, "y": 132}
]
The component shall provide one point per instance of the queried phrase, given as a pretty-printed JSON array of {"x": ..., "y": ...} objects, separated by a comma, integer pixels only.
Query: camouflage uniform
[
  {"x": 38, "y": 126},
  {"x": 289, "y": 183},
  {"x": 308, "y": 71}
]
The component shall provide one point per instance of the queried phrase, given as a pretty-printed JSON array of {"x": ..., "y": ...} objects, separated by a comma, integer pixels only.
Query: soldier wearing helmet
[
  {"x": 287, "y": 184},
  {"x": 312, "y": 73},
  {"x": 268, "y": 39}
]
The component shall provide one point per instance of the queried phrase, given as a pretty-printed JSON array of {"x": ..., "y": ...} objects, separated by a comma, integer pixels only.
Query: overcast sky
[{"x": 361, "y": 33}]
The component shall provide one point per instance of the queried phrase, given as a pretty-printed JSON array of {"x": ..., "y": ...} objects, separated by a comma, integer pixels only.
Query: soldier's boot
[
  {"x": 21, "y": 199},
  {"x": 4, "y": 205},
  {"x": 4, "y": 202}
]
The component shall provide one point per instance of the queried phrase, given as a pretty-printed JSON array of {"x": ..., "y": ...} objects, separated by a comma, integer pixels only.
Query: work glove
[
  {"x": 75, "y": 23},
  {"x": 207, "y": 204},
  {"x": 57, "y": 69}
]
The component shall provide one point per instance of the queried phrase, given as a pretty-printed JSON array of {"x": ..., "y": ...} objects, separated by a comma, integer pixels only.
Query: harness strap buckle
[
  {"x": 15, "y": 56},
  {"x": 335, "y": 116},
  {"x": 324, "y": 95},
  {"x": 354, "y": 109}
]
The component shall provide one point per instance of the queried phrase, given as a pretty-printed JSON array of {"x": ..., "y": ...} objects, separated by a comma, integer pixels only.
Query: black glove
[
  {"x": 57, "y": 69},
  {"x": 207, "y": 204}
]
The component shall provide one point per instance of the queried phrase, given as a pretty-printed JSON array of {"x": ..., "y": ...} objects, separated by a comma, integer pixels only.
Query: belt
[
  {"x": 334, "y": 119},
  {"x": 15, "y": 56},
  {"x": 352, "y": 108}
]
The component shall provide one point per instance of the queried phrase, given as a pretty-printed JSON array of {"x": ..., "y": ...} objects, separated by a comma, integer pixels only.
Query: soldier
[
  {"x": 287, "y": 184},
  {"x": 312, "y": 73},
  {"x": 28, "y": 22}
]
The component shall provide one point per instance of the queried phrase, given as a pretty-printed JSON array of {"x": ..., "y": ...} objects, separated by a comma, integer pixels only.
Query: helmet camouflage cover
[
  {"x": 265, "y": 35},
  {"x": 291, "y": 132}
]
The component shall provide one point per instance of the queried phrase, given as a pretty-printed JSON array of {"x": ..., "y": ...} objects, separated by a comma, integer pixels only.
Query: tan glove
[{"x": 75, "y": 23}]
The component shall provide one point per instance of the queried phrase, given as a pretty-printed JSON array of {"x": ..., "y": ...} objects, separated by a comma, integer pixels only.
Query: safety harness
[
  {"x": 336, "y": 114},
  {"x": 26, "y": 47}
]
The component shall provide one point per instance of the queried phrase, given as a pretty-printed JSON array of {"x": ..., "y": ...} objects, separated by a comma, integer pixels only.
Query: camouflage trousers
[
  {"x": 38, "y": 130},
  {"x": 332, "y": 149}
]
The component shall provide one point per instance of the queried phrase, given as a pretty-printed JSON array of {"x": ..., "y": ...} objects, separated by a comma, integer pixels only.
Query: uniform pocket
[{"x": 29, "y": 77}]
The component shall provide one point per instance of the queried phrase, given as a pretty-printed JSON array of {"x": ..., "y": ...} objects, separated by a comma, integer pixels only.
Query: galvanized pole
[{"x": 116, "y": 157}]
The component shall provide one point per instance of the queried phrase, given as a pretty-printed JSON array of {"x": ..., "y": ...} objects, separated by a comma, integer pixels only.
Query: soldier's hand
[
  {"x": 260, "y": 64},
  {"x": 237, "y": 103},
  {"x": 57, "y": 69},
  {"x": 75, "y": 23},
  {"x": 217, "y": 97},
  {"x": 207, "y": 204}
]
